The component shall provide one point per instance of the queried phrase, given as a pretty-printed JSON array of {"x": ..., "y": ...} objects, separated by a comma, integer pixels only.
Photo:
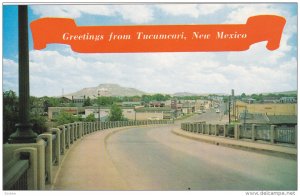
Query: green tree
[
  {"x": 10, "y": 114},
  {"x": 65, "y": 118},
  {"x": 115, "y": 113},
  {"x": 90, "y": 118},
  {"x": 38, "y": 123},
  {"x": 87, "y": 102}
]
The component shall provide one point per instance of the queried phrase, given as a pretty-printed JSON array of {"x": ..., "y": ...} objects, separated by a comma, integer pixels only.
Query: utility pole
[
  {"x": 233, "y": 104},
  {"x": 229, "y": 100},
  {"x": 24, "y": 133},
  {"x": 99, "y": 109}
]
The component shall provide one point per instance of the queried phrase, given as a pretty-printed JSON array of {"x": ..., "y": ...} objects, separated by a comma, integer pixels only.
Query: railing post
[
  {"x": 32, "y": 177},
  {"x": 253, "y": 132},
  {"x": 57, "y": 144},
  {"x": 216, "y": 129},
  {"x": 48, "y": 156},
  {"x": 237, "y": 131},
  {"x": 77, "y": 130},
  {"x": 63, "y": 139},
  {"x": 272, "y": 134},
  {"x": 74, "y": 131},
  {"x": 225, "y": 130},
  {"x": 80, "y": 129},
  {"x": 68, "y": 135}
]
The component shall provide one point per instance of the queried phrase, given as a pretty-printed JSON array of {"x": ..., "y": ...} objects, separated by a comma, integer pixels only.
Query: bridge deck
[{"x": 87, "y": 166}]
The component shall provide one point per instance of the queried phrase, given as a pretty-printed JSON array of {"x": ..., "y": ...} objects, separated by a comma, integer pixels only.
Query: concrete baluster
[
  {"x": 57, "y": 144},
  {"x": 253, "y": 131},
  {"x": 273, "y": 134},
  {"x": 216, "y": 130},
  {"x": 237, "y": 131},
  {"x": 225, "y": 130},
  {"x": 48, "y": 156},
  {"x": 32, "y": 173},
  {"x": 68, "y": 129}
]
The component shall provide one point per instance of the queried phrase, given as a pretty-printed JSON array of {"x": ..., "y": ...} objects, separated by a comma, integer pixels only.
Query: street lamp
[{"x": 24, "y": 133}]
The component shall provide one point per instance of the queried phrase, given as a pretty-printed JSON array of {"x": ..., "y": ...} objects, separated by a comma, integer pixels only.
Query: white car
[
  {"x": 153, "y": 118},
  {"x": 217, "y": 111}
]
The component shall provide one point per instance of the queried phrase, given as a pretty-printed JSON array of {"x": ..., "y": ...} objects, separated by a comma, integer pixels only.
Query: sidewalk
[
  {"x": 87, "y": 166},
  {"x": 289, "y": 152}
]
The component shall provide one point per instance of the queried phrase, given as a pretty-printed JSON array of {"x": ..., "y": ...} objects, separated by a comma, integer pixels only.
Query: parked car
[{"x": 154, "y": 118}]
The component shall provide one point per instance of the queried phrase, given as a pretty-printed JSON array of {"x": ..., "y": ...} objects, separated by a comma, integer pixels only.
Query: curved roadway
[{"x": 150, "y": 158}]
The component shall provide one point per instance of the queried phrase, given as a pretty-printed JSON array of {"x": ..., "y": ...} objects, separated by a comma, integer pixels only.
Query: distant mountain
[
  {"x": 184, "y": 94},
  {"x": 117, "y": 90},
  {"x": 106, "y": 90}
]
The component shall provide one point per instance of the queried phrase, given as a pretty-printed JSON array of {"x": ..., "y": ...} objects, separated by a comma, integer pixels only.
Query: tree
[
  {"x": 10, "y": 114},
  {"x": 87, "y": 102},
  {"x": 90, "y": 118},
  {"x": 115, "y": 113},
  {"x": 38, "y": 122},
  {"x": 65, "y": 118}
]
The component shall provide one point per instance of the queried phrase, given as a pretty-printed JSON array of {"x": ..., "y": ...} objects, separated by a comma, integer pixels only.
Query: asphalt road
[
  {"x": 156, "y": 159},
  {"x": 210, "y": 116}
]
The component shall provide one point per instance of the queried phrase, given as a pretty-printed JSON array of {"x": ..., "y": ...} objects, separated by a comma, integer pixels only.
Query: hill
[{"x": 106, "y": 90}]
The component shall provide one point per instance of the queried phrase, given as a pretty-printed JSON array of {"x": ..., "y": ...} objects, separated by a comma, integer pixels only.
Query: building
[
  {"x": 131, "y": 103},
  {"x": 266, "y": 108},
  {"x": 188, "y": 107},
  {"x": 288, "y": 100},
  {"x": 54, "y": 111},
  {"x": 154, "y": 113},
  {"x": 260, "y": 118},
  {"x": 104, "y": 112}
]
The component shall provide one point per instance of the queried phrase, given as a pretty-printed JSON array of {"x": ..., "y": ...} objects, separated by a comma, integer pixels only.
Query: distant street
[
  {"x": 210, "y": 116},
  {"x": 156, "y": 159}
]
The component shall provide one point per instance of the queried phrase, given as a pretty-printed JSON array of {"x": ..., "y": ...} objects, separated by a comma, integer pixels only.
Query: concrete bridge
[
  {"x": 136, "y": 155},
  {"x": 146, "y": 155}
]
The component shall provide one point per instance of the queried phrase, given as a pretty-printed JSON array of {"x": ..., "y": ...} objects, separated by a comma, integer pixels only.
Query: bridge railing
[
  {"x": 37, "y": 171},
  {"x": 255, "y": 132},
  {"x": 15, "y": 173}
]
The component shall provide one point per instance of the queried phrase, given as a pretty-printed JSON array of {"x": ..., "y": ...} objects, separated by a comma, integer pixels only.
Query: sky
[{"x": 58, "y": 69}]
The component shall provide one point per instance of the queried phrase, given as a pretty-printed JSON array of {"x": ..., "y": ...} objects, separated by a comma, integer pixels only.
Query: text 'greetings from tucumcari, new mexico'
[{"x": 158, "y": 38}]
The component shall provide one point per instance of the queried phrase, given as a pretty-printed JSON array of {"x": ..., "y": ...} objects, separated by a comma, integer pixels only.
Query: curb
[{"x": 269, "y": 149}]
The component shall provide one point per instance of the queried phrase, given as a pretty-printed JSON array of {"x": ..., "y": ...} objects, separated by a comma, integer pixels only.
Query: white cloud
[
  {"x": 242, "y": 12},
  {"x": 132, "y": 13},
  {"x": 135, "y": 13},
  {"x": 10, "y": 75},
  {"x": 192, "y": 10},
  {"x": 50, "y": 72}
]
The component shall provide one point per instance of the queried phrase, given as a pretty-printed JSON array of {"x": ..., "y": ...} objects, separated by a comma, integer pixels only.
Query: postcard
[{"x": 151, "y": 97}]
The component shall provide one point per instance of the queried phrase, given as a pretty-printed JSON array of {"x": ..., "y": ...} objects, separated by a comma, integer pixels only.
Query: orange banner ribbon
[{"x": 158, "y": 38}]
